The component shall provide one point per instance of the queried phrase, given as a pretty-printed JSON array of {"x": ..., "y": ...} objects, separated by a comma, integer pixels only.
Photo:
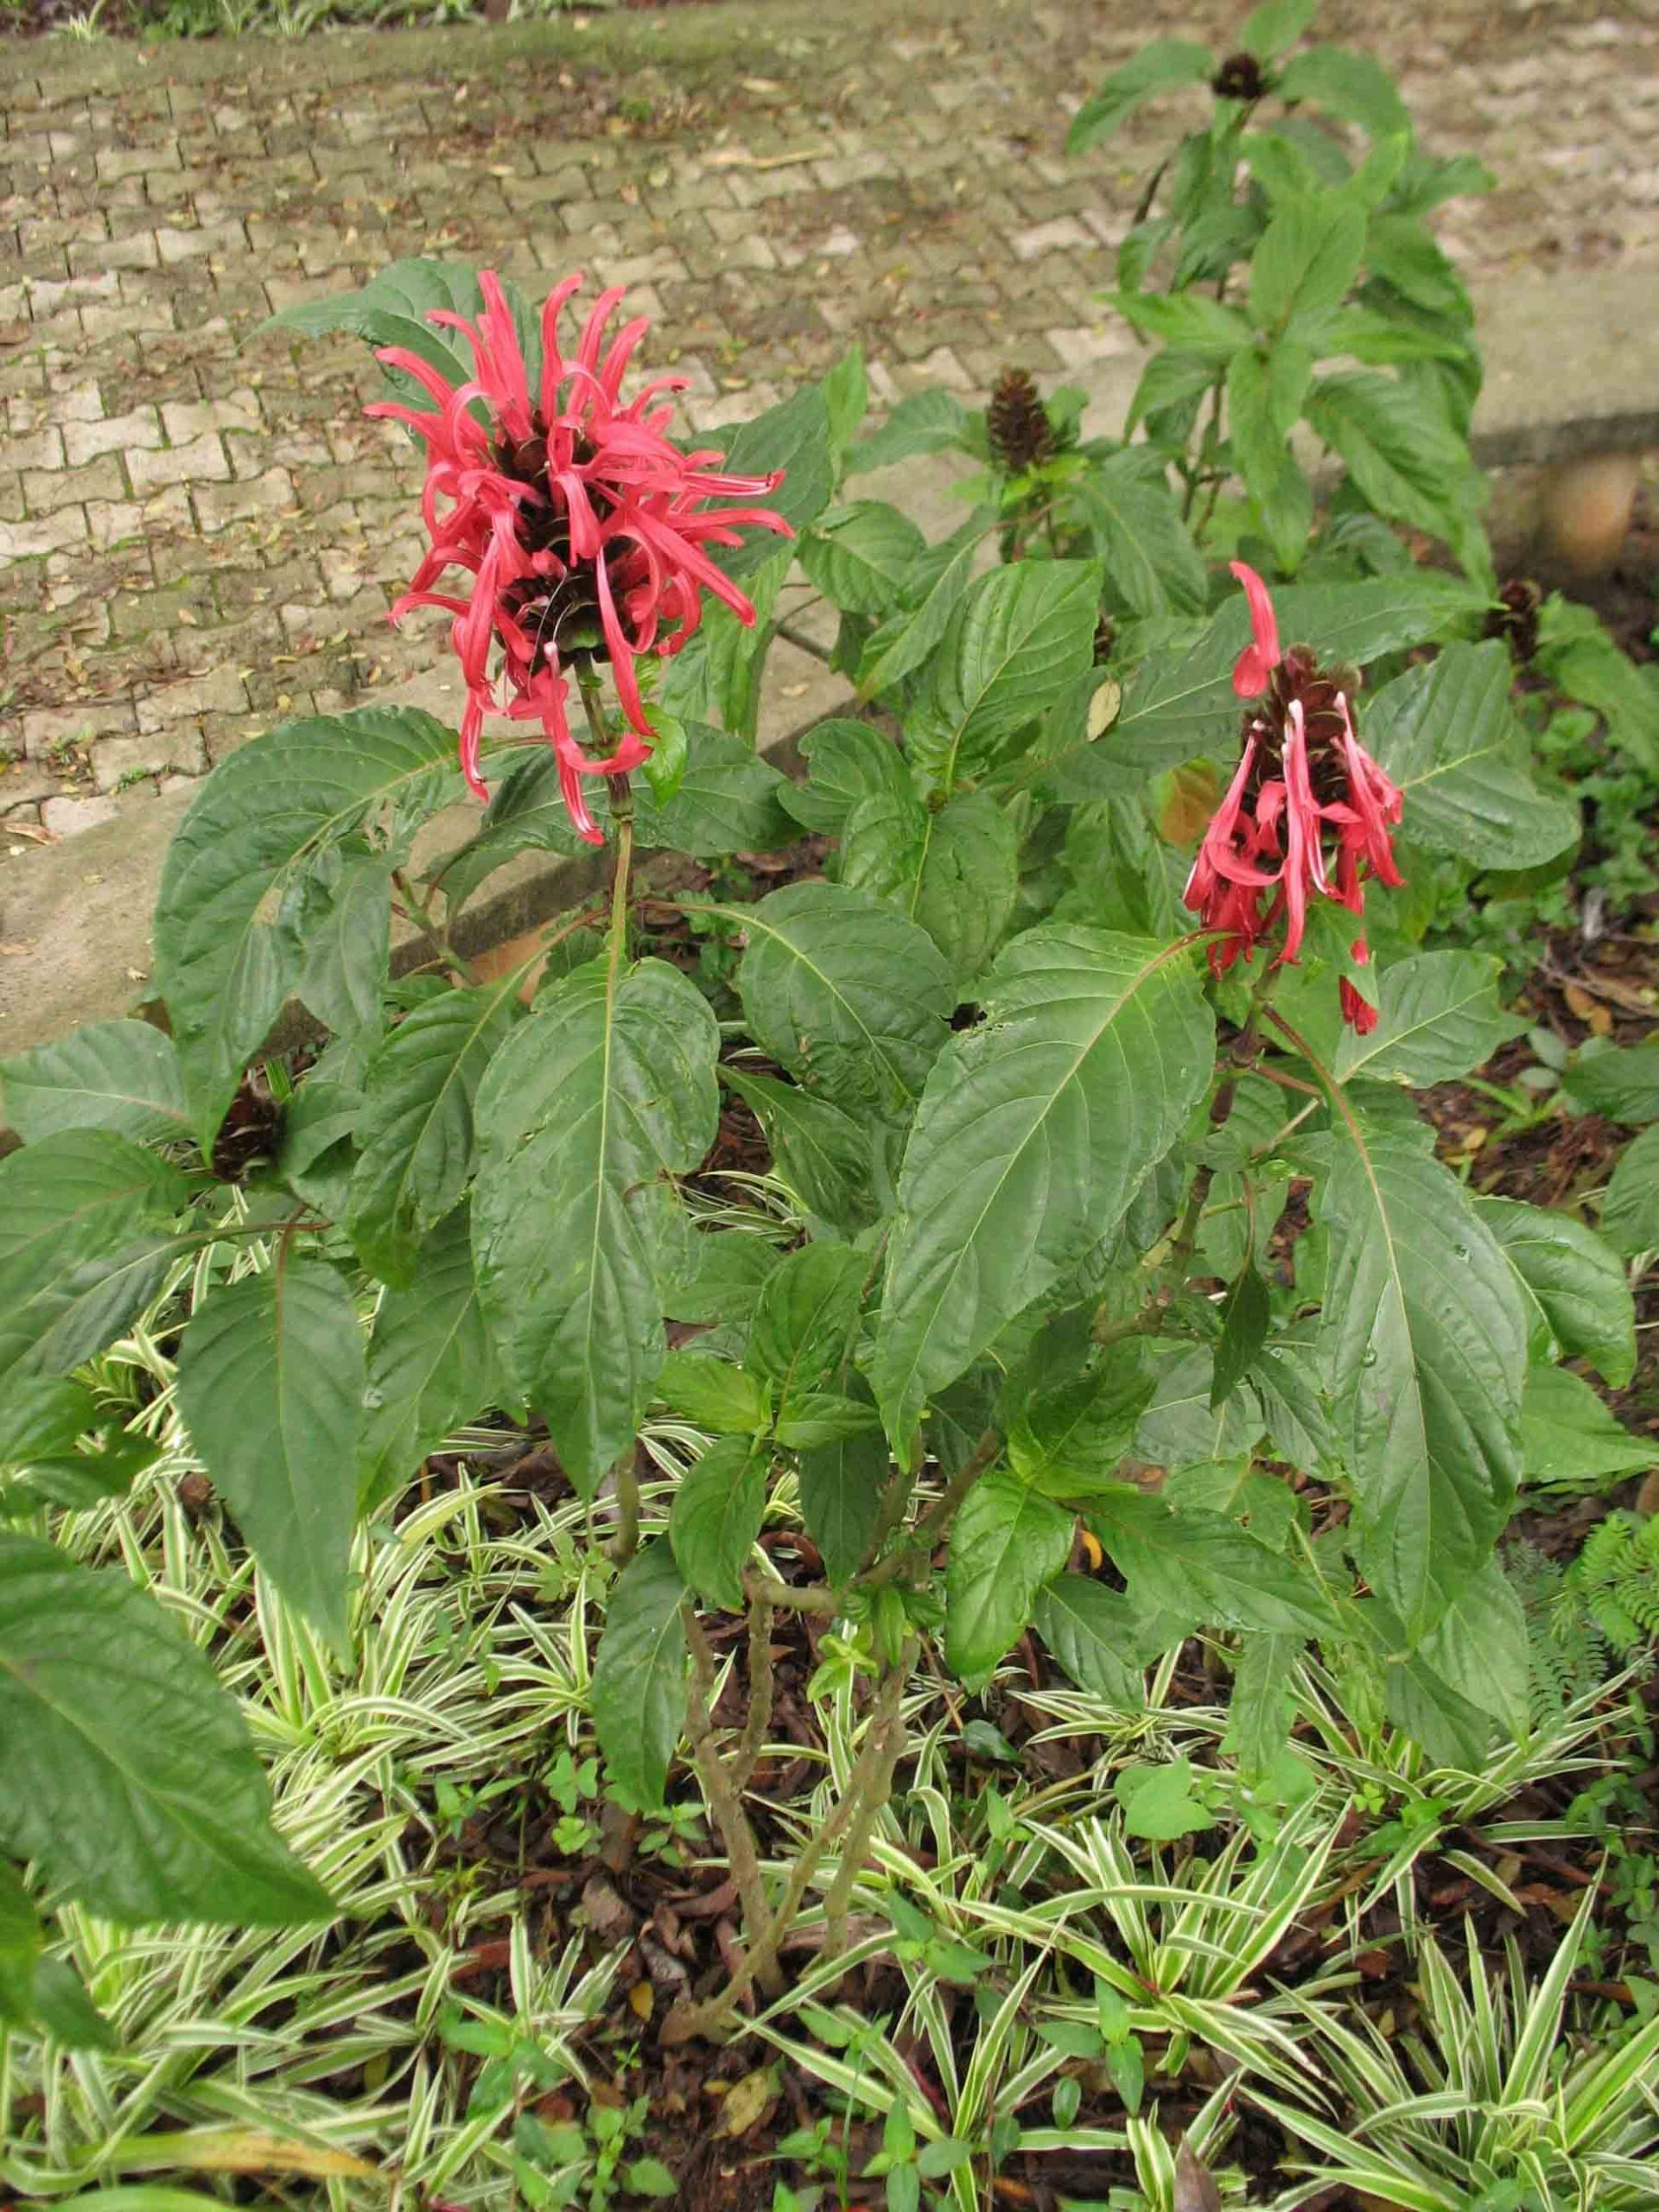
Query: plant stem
[
  {"x": 938, "y": 1516},
  {"x": 888, "y": 1734},
  {"x": 420, "y": 912},
  {"x": 726, "y": 1804},
  {"x": 757, "y": 1723},
  {"x": 624, "y": 1481}
]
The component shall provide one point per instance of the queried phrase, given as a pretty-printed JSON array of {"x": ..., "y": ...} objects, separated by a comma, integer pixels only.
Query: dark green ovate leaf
[
  {"x": 585, "y": 1116},
  {"x": 1259, "y": 1503},
  {"x": 1447, "y": 735},
  {"x": 1575, "y": 1285},
  {"x": 1478, "y": 1649},
  {"x": 823, "y": 1153},
  {"x": 794, "y": 438},
  {"x": 898, "y": 646},
  {"x": 431, "y": 1363},
  {"x": 1570, "y": 1441},
  {"x": 1067, "y": 1440},
  {"x": 347, "y": 949},
  {"x": 1438, "y": 1016},
  {"x": 1275, "y": 25},
  {"x": 714, "y": 678},
  {"x": 229, "y": 943},
  {"x": 718, "y": 1276},
  {"x": 1034, "y": 1132},
  {"x": 1353, "y": 86},
  {"x": 1201, "y": 1567},
  {"x": 271, "y": 1384},
  {"x": 1137, "y": 534},
  {"x": 847, "y": 994},
  {"x": 822, "y": 1417},
  {"x": 1158, "y": 1804},
  {"x": 728, "y": 801},
  {"x": 859, "y": 556},
  {"x": 1581, "y": 658},
  {"x": 1018, "y": 639},
  {"x": 1265, "y": 391},
  {"x": 638, "y": 1692},
  {"x": 1180, "y": 1428},
  {"x": 1259, "y": 1709},
  {"x": 1179, "y": 703},
  {"x": 121, "y": 1076},
  {"x": 417, "y": 1144},
  {"x": 526, "y": 813},
  {"x": 1308, "y": 258},
  {"x": 1007, "y": 1541},
  {"x": 927, "y": 422},
  {"x": 841, "y": 1489},
  {"x": 1622, "y": 1083},
  {"x": 1163, "y": 63},
  {"x": 78, "y": 1256},
  {"x": 1630, "y": 1212},
  {"x": 41, "y": 1415},
  {"x": 712, "y": 1393},
  {"x": 391, "y": 309},
  {"x": 847, "y": 761},
  {"x": 1426, "y": 1337},
  {"x": 1402, "y": 453},
  {"x": 718, "y": 1509},
  {"x": 1097, "y": 1636},
  {"x": 1245, "y": 1314},
  {"x": 805, "y": 1316},
  {"x": 953, "y": 869},
  {"x": 130, "y": 1776}
]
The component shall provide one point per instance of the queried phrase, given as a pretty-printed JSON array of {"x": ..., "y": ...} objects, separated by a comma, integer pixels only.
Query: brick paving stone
[{"x": 769, "y": 181}]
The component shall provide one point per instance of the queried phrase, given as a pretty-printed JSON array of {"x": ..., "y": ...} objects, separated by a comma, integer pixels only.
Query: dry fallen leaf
[
  {"x": 1195, "y": 2186},
  {"x": 747, "y": 2102}
]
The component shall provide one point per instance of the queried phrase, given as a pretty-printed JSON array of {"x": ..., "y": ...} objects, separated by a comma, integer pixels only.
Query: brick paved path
[{"x": 201, "y": 533}]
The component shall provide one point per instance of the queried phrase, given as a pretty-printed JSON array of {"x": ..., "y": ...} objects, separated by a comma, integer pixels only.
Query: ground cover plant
[{"x": 909, "y": 1519}]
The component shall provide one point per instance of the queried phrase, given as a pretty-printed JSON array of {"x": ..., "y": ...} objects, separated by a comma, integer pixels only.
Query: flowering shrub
[{"x": 1101, "y": 1230}]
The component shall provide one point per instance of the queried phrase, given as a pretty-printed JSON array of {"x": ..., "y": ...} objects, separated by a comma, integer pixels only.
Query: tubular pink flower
[
  {"x": 1255, "y": 664},
  {"x": 1307, "y": 813},
  {"x": 583, "y": 527}
]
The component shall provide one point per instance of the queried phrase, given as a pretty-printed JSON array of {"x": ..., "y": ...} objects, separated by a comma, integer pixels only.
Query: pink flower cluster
[
  {"x": 1308, "y": 810},
  {"x": 584, "y": 528}
]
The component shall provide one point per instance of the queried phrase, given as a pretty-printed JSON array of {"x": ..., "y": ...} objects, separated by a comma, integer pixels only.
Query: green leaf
[
  {"x": 1401, "y": 250},
  {"x": 526, "y": 813},
  {"x": 1137, "y": 534},
  {"x": 1007, "y": 1541},
  {"x": 846, "y": 397},
  {"x": 793, "y": 437},
  {"x": 1438, "y": 1016},
  {"x": 415, "y": 1132},
  {"x": 129, "y": 1773},
  {"x": 347, "y": 949},
  {"x": 1259, "y": 1503},
  {"x": 638, "y": 1692},
  {"x": 954, "y": 869},
  {"x": 1570, "y": 1441},
  {"x": 391, "y": 309},
  {"x": 718, "y": 1509},
  {"x": 664, "y": 767},
  {"x": 228, "y": 938},
  {"x": 1574, "y": 1283},
  {"x": 842, "y": 1488},
  {"x": 1630, "y": 1212},
  {"x": 720, "y": 1276},
  {"x": 1479, "y": 1650},
  {"x": 847, "y": 761},
  {"x": 1178, "y": 704},
  {"x": 1188, "y": 322},
  {"x": 432, "y": 1364},
  {"x": 1425, "y": 1336},
  {"x": 712, "y": 1393},
  {"x": 1199, "y": 1566},
  {"x": 271, "y": 1384},
  {"x": 1264, "y": 397},
  {"x": 1622, "y": 1083},
  {"x": 1308, "y": 258},
  {"x": 1352, "y": 86},
  {"x": 805, "y": 1316},
  {"x": 77, "y": 1259},
  {"x": 1067, "y": 1440},
  {"x": 849, "y": 996},
  {"x": 715, "y": 677},
  {"x": 1269, "y": 29},
  {"x": 1581, "y": 659},
  {"x": 1158, "y": 1801},
  {"x": 821, "y": 1152},
  {"x": 1447, "y": 734},
  {"x": 1400, "y": 450},
  {"x": 727, "y": 801},
  {"x": 1259, "y": 1711},
  {"x": 898, "y": 646},
  {"x": 859, "y": 556},
  {"x": 927, "y": 422},
  {"x": 41, "y": 1417},
  {"x": 122, "y": 1076},
  {"x": 1161, "y": 64},
  {"x": 1245, "y": 1314},
  {"x": 1015, "y": 643},
  {"x": 584, "y": 1116},
  {"x": 1094, "y": 1050},
  {"x": 823, "y": 1417},
  {"x": 1098, "y": 1637}
]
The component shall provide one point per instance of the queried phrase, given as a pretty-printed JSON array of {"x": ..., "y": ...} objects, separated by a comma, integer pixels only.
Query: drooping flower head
[
  {"x": 1307, "y": 813},
  {"x": 585, "y": 530}
]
